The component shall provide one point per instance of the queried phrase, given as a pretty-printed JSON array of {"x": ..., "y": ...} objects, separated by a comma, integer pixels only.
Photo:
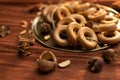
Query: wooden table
[{"x": 13, "y": 67}]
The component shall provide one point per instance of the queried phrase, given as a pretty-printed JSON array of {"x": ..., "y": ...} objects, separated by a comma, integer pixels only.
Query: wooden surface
[{"x": 13, "y": 67}]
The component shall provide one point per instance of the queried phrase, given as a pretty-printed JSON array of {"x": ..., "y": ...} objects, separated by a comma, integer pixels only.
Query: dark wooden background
[{"x": 13, "y": 67}]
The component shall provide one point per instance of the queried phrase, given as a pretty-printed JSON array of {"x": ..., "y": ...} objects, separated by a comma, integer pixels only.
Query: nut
[
  {"x": 45, "y": 28},
  {"x": 47, "y": 61},
  {"x": 109, "y": 55},
  {"x": 46, "y": 37},
  {"x": 28, "y": 38},
  {"x": 4, "y": 30},
  {"x": 23, "y": 52},
  {"x": 64, "y": 64},
  {"x": 24, "y": 31},
  {"x": 24, "y": 24},
  {"x": 24, "y": 46},
  {"x": 95, "y": 64}
]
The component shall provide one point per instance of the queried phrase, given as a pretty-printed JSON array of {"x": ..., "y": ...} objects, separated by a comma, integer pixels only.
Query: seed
[
  {"x": 64, "y": 64},
  {"x": 46, "y": 37}
]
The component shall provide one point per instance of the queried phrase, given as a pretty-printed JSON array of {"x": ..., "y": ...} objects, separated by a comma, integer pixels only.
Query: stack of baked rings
[{"x": 85, "y": 24}]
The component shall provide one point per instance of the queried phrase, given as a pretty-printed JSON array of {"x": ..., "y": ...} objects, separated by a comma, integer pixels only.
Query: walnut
[{"x": 45, "y": 28}]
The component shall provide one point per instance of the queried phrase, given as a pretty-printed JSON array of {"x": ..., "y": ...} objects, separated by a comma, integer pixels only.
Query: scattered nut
[
  {"x": 46, "y": 37},
  {"x": 24, "y": 31},
  {"x": 24, "y": 46},
  {"x": 26, "y": 40},
  {"x": 26, "y": 37},
  {"x": 47, "y": 61},
  {"x": 109, "y": 55},
  {"x": 24, "y": 24},
  {"x": 23, "y": 52},
  {"x": 64, "y": 64},
  {"x": 95, "y": 64},
  {"x": 4, "y": 30}
]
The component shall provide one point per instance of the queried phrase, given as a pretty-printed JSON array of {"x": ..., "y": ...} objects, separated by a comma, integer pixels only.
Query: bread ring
[
  {"x": 110, "y": 19},
  {"x": 47, "y": 8},
  {"x": 87, "y": 32},
  {"x": 50, "y": 12},
  {"x": 88, "y": 11},
  {"x": 71, "y": 5},
  {"x": 82, "y": 7},
  {"x": 79, "y": 18},
  {"x": 97, "y": 16},
  {"x": 72, "y": 31},
  {"x": 57, "y": 37},
  {"x": 112, "y": 39},
  {"x": 62, "y": 12},
  {"x": 65, "y": 21},
  {"x": 105, "y": 27}
]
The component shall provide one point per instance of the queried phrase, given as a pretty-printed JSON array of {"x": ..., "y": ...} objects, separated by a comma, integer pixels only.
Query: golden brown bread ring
[
  {"x": 57, "y": 38},
  {"x": 105, "y": 27},
  {"x": 87, "y": 32},
  {"x": 50, "y": 12},
  {"x": 71, "y": 5},
  {"x": 98, "y": 15},
  {"x": 88, "y": 11},
  {"x": 79, "y": 18},
  {"x": 72, "y": 31},
  {"x": 82, "y": 7},
  {"x": 47, "y": 8},
  {"x": 65, "y": 21},
  {"x": 62, "y": 12},
  {"x": 112, "y": 39},
  {"x": 109, "y": 19}
]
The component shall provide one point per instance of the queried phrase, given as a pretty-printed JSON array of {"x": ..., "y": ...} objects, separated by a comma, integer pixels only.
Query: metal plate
[{"x": 51, "y": 44}]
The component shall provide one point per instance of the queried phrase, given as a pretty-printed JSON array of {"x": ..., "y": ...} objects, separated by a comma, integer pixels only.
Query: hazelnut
[
  {"x": 95, "y": 64},
  {"x": 109, "y": 55},
  {"x": 47, "y": 61},
  {"x": 4, "y": 30},
  {"x": 23, "y": 52}
]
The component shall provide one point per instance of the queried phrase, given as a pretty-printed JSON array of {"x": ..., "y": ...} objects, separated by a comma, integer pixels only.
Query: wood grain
[{"x": 13, "y": 67}]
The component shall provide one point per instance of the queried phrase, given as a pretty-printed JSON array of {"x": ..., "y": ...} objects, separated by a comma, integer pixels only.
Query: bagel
[
  {"x": 62, "y": 12},
  {"x": 105, "y": 27},
  {"x": 109, "y": 38},
  {"x": 82, "y": 7},
  {"x": 71, "y": 5},
  {"x": 82, "y": 35},
  {"x": 47, "y": 8},
  {"x": 50, "y": 12},
  {"x": 98, "y": 15},
  {"x": 72, "y": 31},
  {"x": 109, "y": 19},
  {"x": 65, "y": 21},
  {"x": 88, "y": 11},
  {"x": 58, "y": 39},
  {"x": 79, "y": 18}
]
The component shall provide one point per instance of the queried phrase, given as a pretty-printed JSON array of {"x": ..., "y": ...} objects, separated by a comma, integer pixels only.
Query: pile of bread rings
[{"x": 83, "y": 24}]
